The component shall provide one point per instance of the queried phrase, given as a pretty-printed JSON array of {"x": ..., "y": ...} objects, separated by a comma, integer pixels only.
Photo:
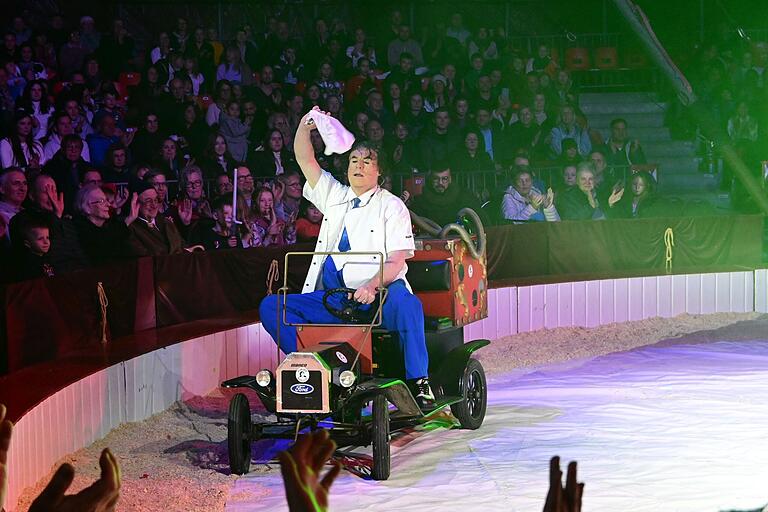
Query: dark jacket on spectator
[
  {"x": 263, "y": 163},
  {"x": 572, "y": 204},
  {"x": 25, "y": 265},
  {"x": 437, "y": 147},
  {"x": 461, "y": 161},
  {"x": 103, "y": 244},
  {"x": 66, "y": 254},
  {"x": 443, "y": 208},
  {"x": 67, "y": 176},
  {"x": 149, "y": 241}
]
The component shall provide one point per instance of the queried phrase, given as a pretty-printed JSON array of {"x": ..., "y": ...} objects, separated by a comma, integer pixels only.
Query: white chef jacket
[{"x": 380, "y": 224}]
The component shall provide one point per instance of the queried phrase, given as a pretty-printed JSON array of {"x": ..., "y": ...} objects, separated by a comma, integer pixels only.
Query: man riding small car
[{"x": 360, "y": 217}]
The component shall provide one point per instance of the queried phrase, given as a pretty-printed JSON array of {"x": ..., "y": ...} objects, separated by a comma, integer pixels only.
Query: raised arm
[{"x": 305, "y": 153}]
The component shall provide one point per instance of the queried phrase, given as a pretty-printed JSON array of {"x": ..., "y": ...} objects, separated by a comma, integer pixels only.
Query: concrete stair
[{"x": 645, "y": 115}]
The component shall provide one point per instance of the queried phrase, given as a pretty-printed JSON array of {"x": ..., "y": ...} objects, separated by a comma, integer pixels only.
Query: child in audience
[
  {"x": 33, "y": 260},
  {"x": 224, "y": 234},
  {"x": 308, "y": 225}
]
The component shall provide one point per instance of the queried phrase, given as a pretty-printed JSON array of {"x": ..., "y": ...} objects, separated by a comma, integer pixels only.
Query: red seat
[
  {"x": 606, "y": 57},
  {"x": 130, "y": 79},
  {"x": 576, "y": 59}
]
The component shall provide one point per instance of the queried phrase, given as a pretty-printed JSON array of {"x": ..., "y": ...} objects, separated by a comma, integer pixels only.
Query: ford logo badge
[{"x": 302, "y": 389}]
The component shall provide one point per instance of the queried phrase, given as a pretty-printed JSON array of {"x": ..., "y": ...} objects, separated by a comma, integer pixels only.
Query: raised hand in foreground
[
  {"x": 100, "y": 496},
  {"x": 301, "y": 467},
  {"x": 559, "y": 499}
]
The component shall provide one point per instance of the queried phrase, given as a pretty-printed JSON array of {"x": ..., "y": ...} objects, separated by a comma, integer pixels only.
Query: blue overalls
[{"x": 402, "y": 313}]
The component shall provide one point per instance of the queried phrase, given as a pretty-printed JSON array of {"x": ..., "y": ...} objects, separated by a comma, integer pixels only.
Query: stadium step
[
  {"x": 644, "y": 134},
  {"x": 662, "y": 149},
  {"x": 678, "y": 164},
  {"x": 634, "y": 121},
  {"x": 620, "y": 109},
  {"x": 672, "y": 183},
  {"x": 617, "y": 97}
]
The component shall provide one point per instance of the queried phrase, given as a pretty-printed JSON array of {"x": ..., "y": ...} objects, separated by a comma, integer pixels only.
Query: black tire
[
  {"x": 239, "y": 434},
  {"x": 380, "y": 438},
  {"x": 471, "y": 411}
]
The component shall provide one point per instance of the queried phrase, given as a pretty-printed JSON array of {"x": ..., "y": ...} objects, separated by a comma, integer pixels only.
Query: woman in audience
[
  {"x": 401, "y": 150},
  {"x": 641, "y": 202},
  {"x": 581, "y": 202},
  {"x": 102, "y": 237},
  {"x": 20, "y": 149},
  {"x": 233, "y": 68},
  {"x": 326, "y": 81},
  {"x": 268, "y": 230},
  {"x": 392, "y": 101},
  {"x": 472, "y": 157},
  {"x": 523, "y": 202},
  {"x": 192, "y": 131},
  {"x": 170, "y": 160},
  {"x": 275, "y": 159},
  {"x": 216, "y": 157},
  {"x": 35, "y": 101}
]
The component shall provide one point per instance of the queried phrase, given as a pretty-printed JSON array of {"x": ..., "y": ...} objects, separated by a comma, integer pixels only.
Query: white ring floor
[{"x": 671, "y": 427}]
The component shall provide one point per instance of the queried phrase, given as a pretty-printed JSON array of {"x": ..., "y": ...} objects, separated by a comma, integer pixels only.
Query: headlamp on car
[
  {"x": 263, "y": 378},
  {"x": 347, "y": 378}
]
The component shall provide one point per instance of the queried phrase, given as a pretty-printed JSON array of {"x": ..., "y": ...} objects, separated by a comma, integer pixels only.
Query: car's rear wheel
[
  {"x": 471, "y": 411},
  {"x": 380, "y": 438},
  {"x": 239, "y": 434}
]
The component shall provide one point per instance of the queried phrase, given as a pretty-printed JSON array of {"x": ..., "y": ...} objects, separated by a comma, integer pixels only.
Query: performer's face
[{"x": 363, "y": 171}]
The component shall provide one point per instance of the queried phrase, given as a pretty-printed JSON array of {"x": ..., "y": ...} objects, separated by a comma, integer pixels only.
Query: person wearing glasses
[
  {"x": 152, "y": 234},
  {"x": 103, "y": 238},
  {"x": 245, "y": 187},
  {"x": 191, "y": 207},
  {"x": 442, "y": 197}
]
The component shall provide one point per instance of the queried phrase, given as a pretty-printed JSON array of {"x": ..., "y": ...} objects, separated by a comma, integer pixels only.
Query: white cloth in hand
[{"x": 337, "y": 139}]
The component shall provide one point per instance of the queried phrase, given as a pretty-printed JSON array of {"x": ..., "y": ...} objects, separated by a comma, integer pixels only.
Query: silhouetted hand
[
  {"x": 100, "y": 496},
  {"x": 6, "y": 429},
  {"x": 301, "y": 467},
  {"x": 559, "y": 499}
]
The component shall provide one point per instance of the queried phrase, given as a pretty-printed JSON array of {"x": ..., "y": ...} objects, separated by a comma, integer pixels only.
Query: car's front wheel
[
  {"x": 380, "y": 438},
  {"x": 239, "y": 434},
  {"x": 471, "y": 411}
]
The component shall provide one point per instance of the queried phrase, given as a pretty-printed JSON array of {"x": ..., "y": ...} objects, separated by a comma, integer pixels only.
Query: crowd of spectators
[{"x": 110, "y": 152}]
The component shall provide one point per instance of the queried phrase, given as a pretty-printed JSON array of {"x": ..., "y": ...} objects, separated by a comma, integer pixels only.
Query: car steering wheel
[{"x": 351, "y": 311}]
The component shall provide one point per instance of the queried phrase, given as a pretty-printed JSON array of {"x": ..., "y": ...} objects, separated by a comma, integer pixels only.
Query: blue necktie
[{"x": 344, "y": 242}]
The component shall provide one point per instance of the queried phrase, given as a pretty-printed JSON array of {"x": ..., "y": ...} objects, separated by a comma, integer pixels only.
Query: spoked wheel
[
  {"x": 239, "y": 434},
  {"x": 471, "y": 411},
  {"x": 380, "y": 438}
]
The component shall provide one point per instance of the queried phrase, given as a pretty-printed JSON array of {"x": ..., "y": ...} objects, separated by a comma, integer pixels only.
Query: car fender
[
  {"x": 451, "y": 372},
  {"x": 266, "y": 394},
  {"x": 395, "y": 390}
]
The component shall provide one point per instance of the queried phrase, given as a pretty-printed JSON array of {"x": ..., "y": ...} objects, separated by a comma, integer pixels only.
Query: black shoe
[{"x": 422, "y": 392}]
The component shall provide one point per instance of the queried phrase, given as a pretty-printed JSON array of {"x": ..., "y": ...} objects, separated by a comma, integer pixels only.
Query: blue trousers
[{"x": 402, "y": 313}]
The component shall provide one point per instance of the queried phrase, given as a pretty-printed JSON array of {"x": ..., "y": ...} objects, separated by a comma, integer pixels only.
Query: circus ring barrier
[{"x": 179, "y": 325}]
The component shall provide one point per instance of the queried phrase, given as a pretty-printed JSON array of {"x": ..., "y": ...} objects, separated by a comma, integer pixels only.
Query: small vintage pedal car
[{"x": 341, "y": 370}]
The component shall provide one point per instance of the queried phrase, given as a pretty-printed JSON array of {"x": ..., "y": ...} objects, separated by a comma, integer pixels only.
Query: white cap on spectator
[{"x": 440, "y": 78}]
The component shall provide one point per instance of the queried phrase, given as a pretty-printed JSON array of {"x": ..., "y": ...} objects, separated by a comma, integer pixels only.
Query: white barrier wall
[{"x": 135, "y": 390}]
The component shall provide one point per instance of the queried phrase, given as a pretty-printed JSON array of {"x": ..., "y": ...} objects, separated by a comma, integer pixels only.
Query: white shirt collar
[{"x": 365, "y": 198}]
